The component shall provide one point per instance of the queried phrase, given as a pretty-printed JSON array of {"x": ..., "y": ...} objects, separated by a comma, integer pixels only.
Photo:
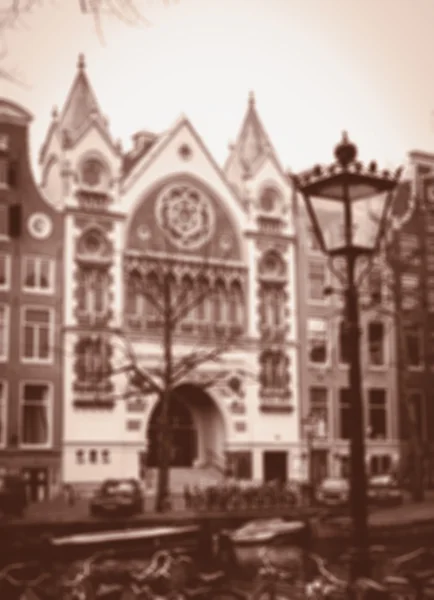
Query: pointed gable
[
  {"x": 251, "y": 149},
  {"x": 81, "y": 104}
]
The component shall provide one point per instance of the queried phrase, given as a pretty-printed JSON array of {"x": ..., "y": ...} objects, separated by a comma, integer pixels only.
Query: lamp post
[
  {"x": 309, "y": 428},
  {"x": 348, "y": 205}
]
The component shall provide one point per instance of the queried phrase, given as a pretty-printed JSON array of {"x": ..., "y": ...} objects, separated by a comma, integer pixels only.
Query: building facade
[
  {"x": 326, "y": 420},
  {"x": 31, "y": 283},
  {"x": 413, "y": 265},
  {"x": 164, "y": 217}
]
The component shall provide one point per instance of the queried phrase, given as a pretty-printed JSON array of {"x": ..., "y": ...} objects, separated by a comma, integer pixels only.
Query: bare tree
[
  {"x": 170, "y": 306},
  {"x": 14, "y": 15}
]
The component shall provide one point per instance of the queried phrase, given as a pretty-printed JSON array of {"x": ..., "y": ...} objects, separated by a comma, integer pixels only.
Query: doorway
[
  {"x": 183, "y": 434},
  {"x": 36, "y": 482},
  {"x": 275, "y": 466},
  {"x": 319, "y": 460}
]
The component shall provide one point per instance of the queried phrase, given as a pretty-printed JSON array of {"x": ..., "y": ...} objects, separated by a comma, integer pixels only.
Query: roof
[
  {"x": 81, "y": 102},
  {"x": 251, "y": 148}
]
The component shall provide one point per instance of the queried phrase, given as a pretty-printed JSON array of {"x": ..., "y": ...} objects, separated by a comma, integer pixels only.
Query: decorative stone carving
[{"x": 185, "y": 216}]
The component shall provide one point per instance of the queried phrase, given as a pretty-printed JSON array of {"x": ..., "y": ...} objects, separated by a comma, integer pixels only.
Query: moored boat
[{"x": 276, "y": 542}]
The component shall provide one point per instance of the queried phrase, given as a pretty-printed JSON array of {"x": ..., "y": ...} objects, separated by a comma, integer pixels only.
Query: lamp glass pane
[{"x": 367, "y": 217}]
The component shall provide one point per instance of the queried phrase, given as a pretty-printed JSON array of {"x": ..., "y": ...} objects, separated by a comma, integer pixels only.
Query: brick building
[
  {"x": 325, "y": 358},
  {"x": 31, "y": 283}
]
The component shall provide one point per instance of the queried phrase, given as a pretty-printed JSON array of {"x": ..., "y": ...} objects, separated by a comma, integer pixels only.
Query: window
[
  {"x": 92, "y": 361},
  {"x": 380, "y": 464},
  {"x": 93, "y": 457},
  {"x": 409, "y": 291},
  {"x": 4, "y": 331},
  {"x": 316, "y": 280},
  {"x": 274, "y": 370},
  {"x": 105, "y": 455},
  {"x": 38, "y": 274},
  {"x": 37, "y": 334},
  {"x": 93, "y": 289},
  {"x": 35, "y": 414},
  {"x": 4, "y": 221},
  {"x": 273, "y": 304},
  {"x": 236, "y": 303},
  {"x": 413, "y": 346},
  {"x": 344, "y": 344},
  {"x": 377, "y": 414},
  {"x": 376, "y": 356},
  {"x": 220, "y": 297},
  {"x": 5, "y": 271},
  {"x": 409, "y": 249},
  {"x": 79, "y": 457},
  {"x": 317, "y": 341},
  {"x": 415, "y": 402},
  {"x": 375, "y": 286},
  {"x": 4, "y": 142},
  {"x": 3, "y": 413},
  {"x": 4, "y": 173},
  {"x": 318, "y": 403},
  {"x": 344, "y": 414}
]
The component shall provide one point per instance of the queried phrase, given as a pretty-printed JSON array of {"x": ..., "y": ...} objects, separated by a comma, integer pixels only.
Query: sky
[{"x": 317, "y": 67}]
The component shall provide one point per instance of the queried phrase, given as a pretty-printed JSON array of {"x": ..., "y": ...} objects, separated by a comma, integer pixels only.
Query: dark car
[
  {"x": 117, "y": 497},
  {"x": 13, "y": 498},
  {"x": 384, "y": 490}
]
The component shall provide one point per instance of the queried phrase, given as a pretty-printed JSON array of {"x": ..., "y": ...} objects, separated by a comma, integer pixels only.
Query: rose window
[{"x": 185, "y": 216}]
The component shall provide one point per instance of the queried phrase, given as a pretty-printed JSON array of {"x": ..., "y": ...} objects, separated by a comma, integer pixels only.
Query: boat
[
  {"x": 145, "y": 540},
  {"x": 265, "y": 542}
]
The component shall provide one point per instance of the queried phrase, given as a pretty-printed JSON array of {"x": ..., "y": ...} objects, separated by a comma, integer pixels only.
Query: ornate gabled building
[
  {"x": 165, "y": 214},
  {"x": 31, "y": 284}
]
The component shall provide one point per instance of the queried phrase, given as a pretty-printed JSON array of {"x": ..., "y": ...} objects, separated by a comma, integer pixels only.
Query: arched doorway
[
  {"x": 197, "y": 429},
  {"x": 183, "y": 433}
]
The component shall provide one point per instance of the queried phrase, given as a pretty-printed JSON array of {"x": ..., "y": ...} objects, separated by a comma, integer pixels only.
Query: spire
[
  {"x": 251, "y": 148},
  {"x": 81, "y": 102}
]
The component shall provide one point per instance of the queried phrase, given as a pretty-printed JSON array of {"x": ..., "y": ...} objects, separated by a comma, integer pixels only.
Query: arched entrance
[{"x": 196, "y": 428}]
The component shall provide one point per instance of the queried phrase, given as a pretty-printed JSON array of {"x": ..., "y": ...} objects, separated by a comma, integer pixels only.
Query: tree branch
[{"x": 191, "y": 361}]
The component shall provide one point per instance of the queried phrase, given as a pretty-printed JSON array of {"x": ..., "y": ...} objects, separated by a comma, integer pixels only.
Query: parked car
[
  {"x": 117, "y": 497},
  {"x": 333, "y": 491},
  {"x": 384, "y": 490},
  {"x": 13, "y": 498}
]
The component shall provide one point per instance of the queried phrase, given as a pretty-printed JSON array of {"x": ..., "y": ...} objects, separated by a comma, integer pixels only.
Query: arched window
[
  {"x": 236, "y": 303},
  {"x": 274, "y": 370},
  {"x": 92, "y": 360},
  {"x": 153, "y": 297},
  {"x": 204, "y": 307},
  {"x": 220, "y": 302},
  {"x": 273, "y": 304},
  {"x": 93, "y": 290},
  {"x": 187, "y": 297},
  {"x": 134, "y": 301}
]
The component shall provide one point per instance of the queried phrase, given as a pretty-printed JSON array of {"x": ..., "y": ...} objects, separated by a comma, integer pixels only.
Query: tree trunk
[{"x": 162, "y": 499}]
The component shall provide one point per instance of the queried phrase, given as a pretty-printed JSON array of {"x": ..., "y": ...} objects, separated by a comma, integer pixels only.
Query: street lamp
[
  {"x": 349, "y": 205},
  {"x": 310, "y": 428}
]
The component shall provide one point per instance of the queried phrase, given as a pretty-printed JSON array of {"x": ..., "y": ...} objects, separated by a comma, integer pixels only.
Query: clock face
[
  {"x": 40, "y": 226},
  {"x": 92, "y": 172}
]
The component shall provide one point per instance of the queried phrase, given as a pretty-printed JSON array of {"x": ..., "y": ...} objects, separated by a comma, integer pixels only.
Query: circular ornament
[
  {"x": 93, "y": 243},
  {"x": 269, "y": 199},
  {"x": 185, "y": 152},
  {"x": 91, "y": 172},
  {"x": 185, "y": 216},
  {"x": 40, "y": 226}
]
